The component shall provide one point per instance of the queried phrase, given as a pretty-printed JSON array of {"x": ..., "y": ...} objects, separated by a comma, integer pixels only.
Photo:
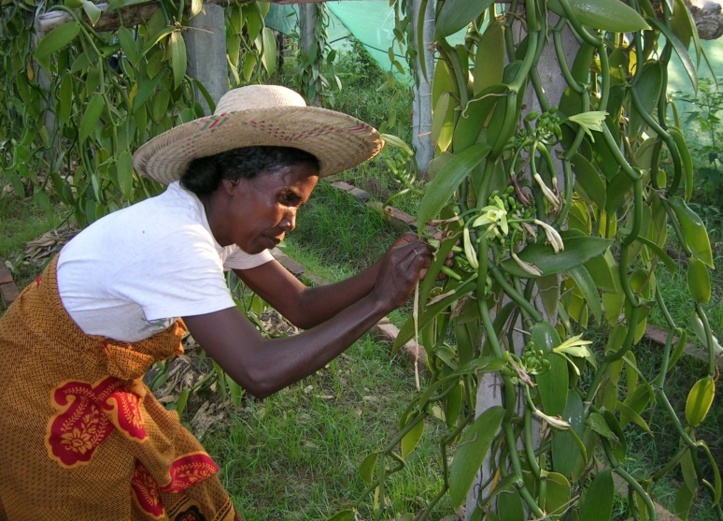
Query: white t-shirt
[{"x": 132, "y": 273}]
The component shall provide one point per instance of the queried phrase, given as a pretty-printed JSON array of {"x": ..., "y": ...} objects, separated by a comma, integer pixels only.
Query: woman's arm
[
  {"x": 307, "y": 307},
  {"x": 303, "y": 306},
  {"x": 264, "y": 366}
]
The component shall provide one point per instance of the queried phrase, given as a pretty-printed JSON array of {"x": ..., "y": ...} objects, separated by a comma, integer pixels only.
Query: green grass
[
  {"x": 654, "y": 450},
  {"x": 295, "y": 455},
  {"x": 21, "y": 220},
  {"x": 342, "y": 230}
]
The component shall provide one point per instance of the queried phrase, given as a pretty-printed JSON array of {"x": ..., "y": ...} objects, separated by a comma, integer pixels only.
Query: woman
[{"x": 81, "y": 437}]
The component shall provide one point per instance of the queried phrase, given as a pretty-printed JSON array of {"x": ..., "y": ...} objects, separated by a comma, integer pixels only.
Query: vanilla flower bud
[
  {"x": 554, "y": 421},
  {"x": 469, "y": 249},
  {"x": 547, "y": 193},
  {"x": 553, "y": 236},
  {"x": 527, "y": 267}
]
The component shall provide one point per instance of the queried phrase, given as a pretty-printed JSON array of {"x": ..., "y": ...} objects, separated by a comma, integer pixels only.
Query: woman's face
[{"x": 259, "y": 211}]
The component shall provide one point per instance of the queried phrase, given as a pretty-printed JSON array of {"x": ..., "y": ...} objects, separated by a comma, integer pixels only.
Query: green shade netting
[{"x": 371, "y": 22}]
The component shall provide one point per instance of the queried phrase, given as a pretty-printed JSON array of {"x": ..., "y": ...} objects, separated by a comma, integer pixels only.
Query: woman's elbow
[{"x": 259, "y": 386}]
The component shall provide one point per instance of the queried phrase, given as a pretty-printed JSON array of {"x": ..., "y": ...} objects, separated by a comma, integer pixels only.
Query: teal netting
[{"x": 372, "y": 23}]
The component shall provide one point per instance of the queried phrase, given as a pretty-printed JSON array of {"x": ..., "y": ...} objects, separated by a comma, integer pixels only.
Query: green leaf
[
  {"x": 268, "y": 56},
  {"x": 453, "y": 404},
  {"x": 699, "y": 281},
  {"x": 411, "y": 439},
  {"x": 124, "y": 167},
  {"x": 588, "y": 179},
  {"x": 509, "y": 506},
  {"x": 65, "y": 98},
  {"x": 620, "y": 443},
  {"x": 607, "y": 15},
  {"x": 235, "y": 390},
  {"x": 182, "y": 400},
  {"x": 648, "y": 87},
  {"x": 115, "y": 4},
  {"x": 129, "y": 46},
  {"x": 344, "y": 515},
  {"x": 92, "y": 11},
  {"x": 597, "y": 423},
  {"x": 475, "y": 116},
  {"x": 565, "y": 450},
  {"x": 597, "y": 504},
  {"x": 686, "y": 160},
  {"x": 91, "y": 116},
  {"x": 40, "y": 198},
  {"x": 57, "y": 39},
  {"x": 430, "y": 312},
  {"x": 366, "y": 469},
  {"x": 490, "y": 59},
  {"x": 456, "y": 14},
  {"x": 544, "y": 336},
  {"x": 196, "y": 7},
  {"x": 680, "y": 49},
  {"x": 699, "y": 400},
  {"x": 549, "y": 288},
  {"x": 659, "y": 252},
  {"x": 578, "y": 250},
  {"x": 179, "y": 61},
  {"x": 717, "y": 483},
  {"x": 695, "y": 235},
  {"x": 471, "y": 452},
  {"x": 254, "y": 21},
  {"x": 627, "y": 414},
  {"x": 557, "y": 498},
  {"x": 249, "y": 65},
  {"x": 553, "y": 385},
  {"x": 447, "y": 180},
  {"x": 443, "y": 81},
  {"x": 160, "y": 105},
  {"x": 683, "y": 501},
  {"x": 604, "y": 272},
  {"x": 588, "y": 288},
  {"x": 146, "y": 87},
  {"x": 443, "y": 121}
]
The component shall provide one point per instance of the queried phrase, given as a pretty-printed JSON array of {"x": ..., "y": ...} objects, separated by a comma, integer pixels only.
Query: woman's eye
[{"x": 289, "y": 200}]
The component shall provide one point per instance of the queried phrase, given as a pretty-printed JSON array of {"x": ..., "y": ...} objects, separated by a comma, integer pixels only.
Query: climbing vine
[
  {"x": 558, "y": 210},
  {"x": 77, "y": 102}
]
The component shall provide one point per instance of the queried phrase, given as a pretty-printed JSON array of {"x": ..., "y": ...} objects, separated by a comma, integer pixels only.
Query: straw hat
[{"x": 260, "y": 115}]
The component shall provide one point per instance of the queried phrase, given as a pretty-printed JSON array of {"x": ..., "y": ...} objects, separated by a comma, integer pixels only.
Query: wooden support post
[
  {"x": 206, "y": 49},
  {"x": 422, "y": 106}
]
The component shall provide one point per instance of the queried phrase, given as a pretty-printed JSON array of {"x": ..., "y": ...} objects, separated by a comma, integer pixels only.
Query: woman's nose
[{"x": 288, "y": 223}]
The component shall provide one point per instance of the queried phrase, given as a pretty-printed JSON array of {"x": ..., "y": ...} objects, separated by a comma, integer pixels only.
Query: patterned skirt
[{"x": 81, "y": 437}]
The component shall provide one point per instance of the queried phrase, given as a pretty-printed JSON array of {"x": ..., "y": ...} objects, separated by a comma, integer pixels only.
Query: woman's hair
[{"x": 204, "y": 174}]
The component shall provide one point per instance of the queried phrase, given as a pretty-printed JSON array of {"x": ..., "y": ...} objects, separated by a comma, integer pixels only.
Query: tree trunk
[
  {"x": 308, "y": 18},
  {"x": 708, "y": 18},
  {"x": 422, "y": 106},
  {"x": 207, "y": 51}
]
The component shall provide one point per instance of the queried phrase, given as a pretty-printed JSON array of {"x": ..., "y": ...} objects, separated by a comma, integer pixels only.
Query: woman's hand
[
  {"x": 409, "y": 237},
  {"x": 401, "y": 268}
]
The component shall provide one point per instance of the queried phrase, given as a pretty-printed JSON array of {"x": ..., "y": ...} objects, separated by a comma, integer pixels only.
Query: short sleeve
[{"x": 183, "y": 277}]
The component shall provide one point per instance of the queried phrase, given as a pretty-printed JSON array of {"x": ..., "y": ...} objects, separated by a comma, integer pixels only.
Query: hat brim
[{"x": 337, "y": 140}]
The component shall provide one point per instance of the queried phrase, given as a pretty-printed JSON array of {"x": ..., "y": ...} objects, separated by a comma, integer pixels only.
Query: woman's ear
[{"x": 228, "y": 185}]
